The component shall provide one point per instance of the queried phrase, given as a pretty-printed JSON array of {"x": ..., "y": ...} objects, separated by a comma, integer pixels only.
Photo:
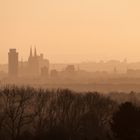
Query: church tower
[
  {"x": 33, "y": 63},
  {"x": 35, "y": 52},
  {"x": 31, "y": 55}
]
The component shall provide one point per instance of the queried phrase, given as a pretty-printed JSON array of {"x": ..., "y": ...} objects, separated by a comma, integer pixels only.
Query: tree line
[{"x": 27, "y": 113}]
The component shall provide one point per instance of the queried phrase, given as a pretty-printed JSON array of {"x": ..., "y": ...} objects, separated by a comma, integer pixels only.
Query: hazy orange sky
[{"x": 71, "y": 30}]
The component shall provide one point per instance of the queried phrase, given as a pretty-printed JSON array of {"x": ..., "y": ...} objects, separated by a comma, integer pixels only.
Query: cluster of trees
[{"x": 39, "y": 114}]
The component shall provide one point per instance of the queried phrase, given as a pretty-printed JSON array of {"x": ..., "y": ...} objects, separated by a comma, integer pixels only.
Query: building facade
[
  {"x": 13, "y": 63},
  {"x": 34, "y": 65}
]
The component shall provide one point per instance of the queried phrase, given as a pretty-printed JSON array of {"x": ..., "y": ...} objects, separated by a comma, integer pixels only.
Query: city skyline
[
  {"x": 69, "y": 69},
  {"x": 36, "y": 64},
  {"x": 34, "y": 67},
  {"x": 33, "y": 47}
]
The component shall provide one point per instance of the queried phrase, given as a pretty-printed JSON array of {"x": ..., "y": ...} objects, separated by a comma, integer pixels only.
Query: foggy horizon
[
  {"x": 75, "y": 37},
  {"x": 69, "y": 70}
]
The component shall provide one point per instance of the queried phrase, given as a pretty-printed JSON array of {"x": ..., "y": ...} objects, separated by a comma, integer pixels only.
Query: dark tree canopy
[
  {"x": 126, "y": 122},
  {"x": 40, "y": 114}
]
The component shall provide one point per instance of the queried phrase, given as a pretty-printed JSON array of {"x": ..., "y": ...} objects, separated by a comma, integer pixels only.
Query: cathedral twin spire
[{"x": 35, "y": 52}]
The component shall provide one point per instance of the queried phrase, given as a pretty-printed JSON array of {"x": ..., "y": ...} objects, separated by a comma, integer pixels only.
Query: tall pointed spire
[
  {"x": 35, "y": 52},
  {"x": 31, "y": 54}
]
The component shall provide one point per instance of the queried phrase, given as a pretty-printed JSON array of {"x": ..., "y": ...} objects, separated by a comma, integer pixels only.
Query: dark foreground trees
[
  {"x": 126, "y": 122},
  {"x": 36, "y": 114}
]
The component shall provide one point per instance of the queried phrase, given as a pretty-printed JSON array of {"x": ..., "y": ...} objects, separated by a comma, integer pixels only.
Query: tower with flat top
[{"x": 13, "y": 63}]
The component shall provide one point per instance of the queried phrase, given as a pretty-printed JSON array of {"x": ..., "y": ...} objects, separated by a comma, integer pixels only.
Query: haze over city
[
  {"x": 71, "y": 31},
  {"x": 69, "y": 69}
]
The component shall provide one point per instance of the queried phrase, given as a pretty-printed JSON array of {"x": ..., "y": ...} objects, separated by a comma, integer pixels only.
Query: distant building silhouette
[
  {"x": 33, "y": 63},
  {"x": 133, "y": 72},
  {"x": 54, "y": 73},
  {"x": 115, "y": 70},
  {"x": 44, "y": 72},
  {"x": 36, "y": 63},
  {"x": 70, "y": 70},
  {"x": 13, "y": 62}
]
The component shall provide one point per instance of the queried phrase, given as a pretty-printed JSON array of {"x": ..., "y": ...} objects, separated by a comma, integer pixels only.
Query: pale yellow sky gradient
[{"x": 71, "y": 30}]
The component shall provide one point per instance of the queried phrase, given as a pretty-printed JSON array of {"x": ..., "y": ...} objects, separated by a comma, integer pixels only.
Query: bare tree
[{"x": 17, "y": 110}]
